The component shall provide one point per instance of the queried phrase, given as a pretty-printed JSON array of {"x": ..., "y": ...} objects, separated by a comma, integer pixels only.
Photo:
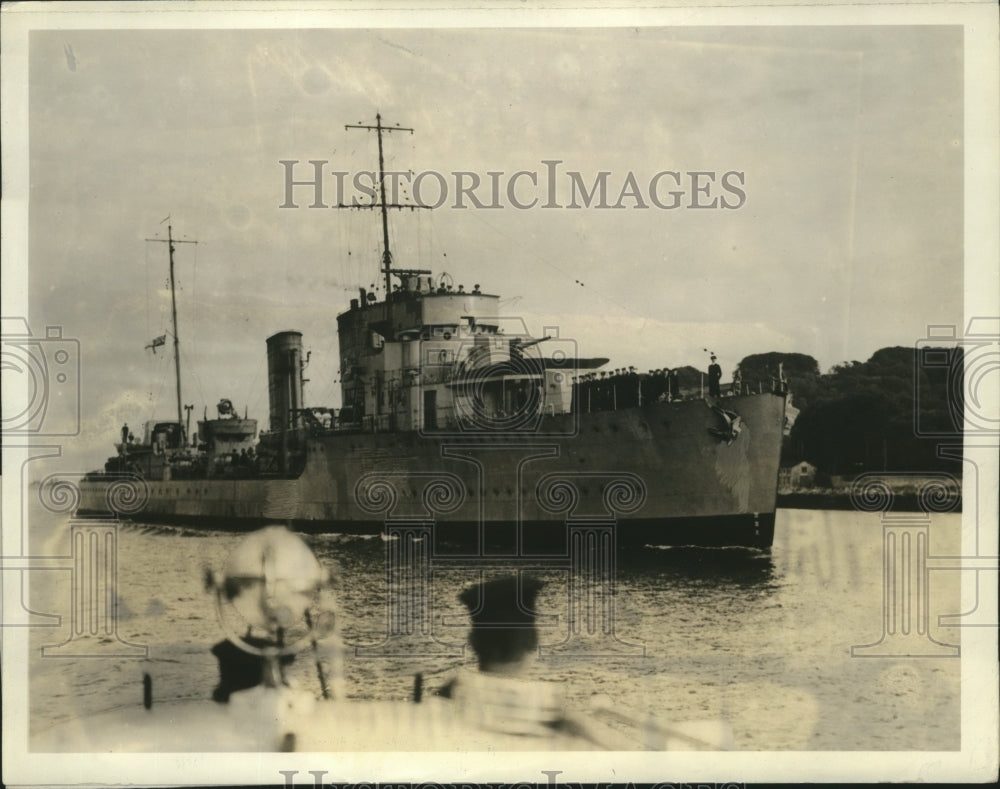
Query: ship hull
[{"x": 664, "y": 474}]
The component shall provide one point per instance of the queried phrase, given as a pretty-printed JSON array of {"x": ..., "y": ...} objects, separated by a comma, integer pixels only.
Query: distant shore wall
[{"x": 837, "y": 496}]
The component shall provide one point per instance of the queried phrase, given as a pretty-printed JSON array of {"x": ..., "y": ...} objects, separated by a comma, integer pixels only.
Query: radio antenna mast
[
  {"x": 378, "y": 128},
  {"x": 170, "y": 241}
]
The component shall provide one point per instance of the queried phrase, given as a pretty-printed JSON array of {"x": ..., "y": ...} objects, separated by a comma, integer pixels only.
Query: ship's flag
[{"x": 157, "y": 342}]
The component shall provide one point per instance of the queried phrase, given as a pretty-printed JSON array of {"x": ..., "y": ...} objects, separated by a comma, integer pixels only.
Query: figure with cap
[
  {"x": 504, "y": 637},
  {"x": 714, "y": 377},
  {"x": 499, "y": 697}
]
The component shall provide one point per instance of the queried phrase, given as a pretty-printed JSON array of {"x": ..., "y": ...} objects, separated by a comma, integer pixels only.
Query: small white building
[{"x": 801, "y": 475}]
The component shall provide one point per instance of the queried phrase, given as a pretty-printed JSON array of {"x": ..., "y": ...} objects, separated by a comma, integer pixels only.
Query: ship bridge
[
  {"x": 417, "y": 311},
  {"x": 427, "y": 358}
]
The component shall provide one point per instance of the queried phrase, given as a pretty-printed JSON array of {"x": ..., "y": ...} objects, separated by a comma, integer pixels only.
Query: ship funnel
[{"x": 284, "y": 379}]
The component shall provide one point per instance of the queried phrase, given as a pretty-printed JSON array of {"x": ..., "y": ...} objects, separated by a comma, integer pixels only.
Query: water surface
[{"x": 762, "y": 639}]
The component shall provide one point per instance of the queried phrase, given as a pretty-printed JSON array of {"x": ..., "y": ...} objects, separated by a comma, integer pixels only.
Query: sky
[{"x": 849, "y": 141}]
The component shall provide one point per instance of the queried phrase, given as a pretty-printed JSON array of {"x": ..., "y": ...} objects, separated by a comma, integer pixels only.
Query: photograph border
[{"x": 977, "y": 759}]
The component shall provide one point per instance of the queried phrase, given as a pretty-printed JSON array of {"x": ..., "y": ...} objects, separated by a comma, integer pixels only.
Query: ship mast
[
  {"x": 378, "y": 128},
  {"x": 170, "y": 241}
]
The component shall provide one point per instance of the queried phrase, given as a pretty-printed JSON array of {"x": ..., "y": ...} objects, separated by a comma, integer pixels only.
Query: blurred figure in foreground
[
  {"x": 270, "y": 582},
  {"x": 504, "y": 637}
]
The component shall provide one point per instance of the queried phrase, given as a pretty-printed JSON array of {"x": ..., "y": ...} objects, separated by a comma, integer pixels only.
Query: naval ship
[{"x": 456, "y": 417}]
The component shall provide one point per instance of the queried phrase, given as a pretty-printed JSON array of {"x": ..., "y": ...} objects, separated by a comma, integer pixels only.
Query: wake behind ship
[{"x": 455, "y": 420}]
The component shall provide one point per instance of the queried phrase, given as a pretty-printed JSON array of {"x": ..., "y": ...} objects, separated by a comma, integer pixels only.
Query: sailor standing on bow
[{"x": 714, "y": 378}]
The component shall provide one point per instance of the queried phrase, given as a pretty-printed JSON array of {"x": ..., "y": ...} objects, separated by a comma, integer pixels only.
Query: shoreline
[{"x": 907, "y": 501}]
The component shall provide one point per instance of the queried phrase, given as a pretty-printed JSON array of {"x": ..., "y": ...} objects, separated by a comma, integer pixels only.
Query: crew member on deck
[{"x": 714, "y": 377}]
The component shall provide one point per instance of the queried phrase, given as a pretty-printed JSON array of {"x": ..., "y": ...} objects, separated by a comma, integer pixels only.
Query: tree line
[{"x": 888, "y": 413}]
